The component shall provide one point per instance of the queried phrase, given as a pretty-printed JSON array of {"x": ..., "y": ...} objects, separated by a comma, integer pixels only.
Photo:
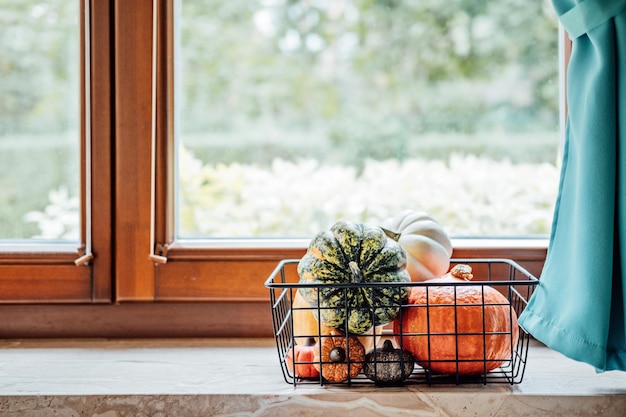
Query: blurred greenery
[{"x": 356, "y": 79}]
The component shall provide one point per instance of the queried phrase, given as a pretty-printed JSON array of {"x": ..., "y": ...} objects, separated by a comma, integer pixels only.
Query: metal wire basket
[{"x": 506, "y": 276}]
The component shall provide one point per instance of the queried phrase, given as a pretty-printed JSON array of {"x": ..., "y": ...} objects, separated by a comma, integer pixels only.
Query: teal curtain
[{"x": 578, "y": 307}]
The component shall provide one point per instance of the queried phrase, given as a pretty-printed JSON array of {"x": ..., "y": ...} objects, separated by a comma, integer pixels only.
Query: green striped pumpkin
[{"x": 354, "y": 253}]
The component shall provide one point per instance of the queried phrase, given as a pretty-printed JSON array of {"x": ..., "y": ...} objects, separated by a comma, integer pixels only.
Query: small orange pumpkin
[
  {"x": 448, "y": 332},
  {"x": 300, "y": 360},
  {"x": 341, "y": 357}
]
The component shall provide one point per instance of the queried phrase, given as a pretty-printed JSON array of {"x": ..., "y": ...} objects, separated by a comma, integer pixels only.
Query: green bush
[{"x": 468, "y": 195}]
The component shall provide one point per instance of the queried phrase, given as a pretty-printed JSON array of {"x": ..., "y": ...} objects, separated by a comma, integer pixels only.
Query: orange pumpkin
[
  {"x": 472, "y": 337},
  {"x": 300, "y": 360},
  {"x": 341, "y": 356}
]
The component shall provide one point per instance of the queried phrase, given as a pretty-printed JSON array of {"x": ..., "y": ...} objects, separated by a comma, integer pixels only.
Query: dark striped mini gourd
[
  {"x": 354, "y": 253},
  {"x": 388, "y": 365}
]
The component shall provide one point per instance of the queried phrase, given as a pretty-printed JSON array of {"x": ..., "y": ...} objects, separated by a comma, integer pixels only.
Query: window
[
  {"x": 40, "y": 120},
  {"x": 151, "y": 273},
  {"x": 55, "y": 134},
  {"x": 291, "y": 115}
]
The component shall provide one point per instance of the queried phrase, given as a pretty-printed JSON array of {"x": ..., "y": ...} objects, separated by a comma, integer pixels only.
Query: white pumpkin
[{"x": 425, "y": 241}]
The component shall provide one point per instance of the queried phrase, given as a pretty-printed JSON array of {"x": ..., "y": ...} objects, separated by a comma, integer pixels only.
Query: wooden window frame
[
  {"x": 142, "y": 281},
  {"x": 35, "y": 273}
]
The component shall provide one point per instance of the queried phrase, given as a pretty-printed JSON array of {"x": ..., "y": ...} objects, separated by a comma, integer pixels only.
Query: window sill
[{"x": 235, "y": 377}]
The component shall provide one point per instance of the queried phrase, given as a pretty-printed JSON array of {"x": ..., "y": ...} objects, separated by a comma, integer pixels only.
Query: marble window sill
[{"x": 216, "y": 377}]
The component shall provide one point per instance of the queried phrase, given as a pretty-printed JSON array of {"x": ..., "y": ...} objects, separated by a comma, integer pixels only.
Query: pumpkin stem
[
  {"x": 388, "y": 346},
  {"x": 391, "y": 234},
  {"x": 357, "y": 275},
  {"x": 462, "y": 271},
  {"x": 337, "y": 355}
]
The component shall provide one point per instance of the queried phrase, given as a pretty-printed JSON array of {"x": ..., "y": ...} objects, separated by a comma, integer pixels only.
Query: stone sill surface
[{"x": 218, "y": 377}]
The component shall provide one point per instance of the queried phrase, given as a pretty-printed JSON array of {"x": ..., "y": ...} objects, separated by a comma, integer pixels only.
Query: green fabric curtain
[{"x": 578, "y": 307}]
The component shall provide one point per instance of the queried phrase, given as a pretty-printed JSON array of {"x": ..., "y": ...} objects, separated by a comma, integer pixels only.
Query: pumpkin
[
  {"x": 338, "y": 356},
  {"x": 354, "y": 253},
  {"x": 300, "y": 360},
  {"x": 458, "y": 329},
  {"x": 426, "y": 243},
  {"x": 305, "y": 324},
  {"x": 388, "y": 365}
]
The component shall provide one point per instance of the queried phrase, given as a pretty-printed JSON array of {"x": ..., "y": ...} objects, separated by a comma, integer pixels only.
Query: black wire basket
[{"x": 466, "y": 349}]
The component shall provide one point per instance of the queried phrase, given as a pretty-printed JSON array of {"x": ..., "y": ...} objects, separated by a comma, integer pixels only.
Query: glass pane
[
  {"x": 292, "y": 114},
  {"x": 39, "y": 119}
]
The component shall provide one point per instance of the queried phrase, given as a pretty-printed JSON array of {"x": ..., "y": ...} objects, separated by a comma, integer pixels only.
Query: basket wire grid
[{"x": 505, "y": 275}]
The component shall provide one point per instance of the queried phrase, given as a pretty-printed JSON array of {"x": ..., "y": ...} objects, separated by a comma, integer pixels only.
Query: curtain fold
[{"x": 578, "y": 308}]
